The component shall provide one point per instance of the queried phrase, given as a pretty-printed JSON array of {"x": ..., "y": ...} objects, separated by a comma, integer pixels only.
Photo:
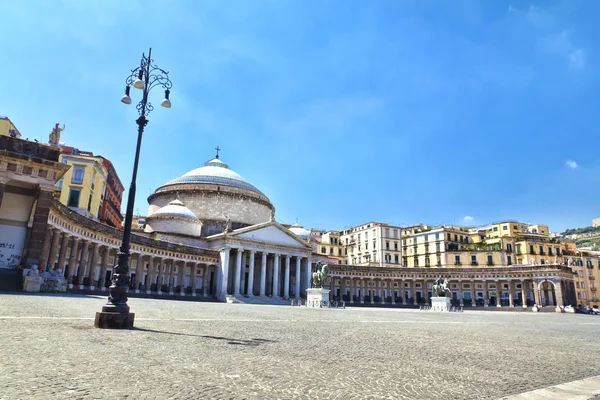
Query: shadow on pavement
[{"x": 239, "y": 342}]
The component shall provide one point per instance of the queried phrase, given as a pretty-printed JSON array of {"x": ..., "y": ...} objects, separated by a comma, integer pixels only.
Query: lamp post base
[{"x": 114, "y": 320}]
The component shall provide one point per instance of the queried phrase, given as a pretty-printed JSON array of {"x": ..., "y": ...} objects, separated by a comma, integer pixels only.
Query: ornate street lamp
[{"x": 115, "y": 314}]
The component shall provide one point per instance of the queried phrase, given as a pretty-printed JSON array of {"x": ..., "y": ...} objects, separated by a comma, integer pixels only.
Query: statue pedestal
[
  {"x": 32, "y": 283},
  {"x": 317, "y": 297},
  {"x": 440, "y": 304}
]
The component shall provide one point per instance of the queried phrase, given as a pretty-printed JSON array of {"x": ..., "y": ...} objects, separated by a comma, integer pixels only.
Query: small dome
[
  {"x": 299, "y": 230},
  {"x": 216, "y": 172},
  {"x": 175, "y": 209}
]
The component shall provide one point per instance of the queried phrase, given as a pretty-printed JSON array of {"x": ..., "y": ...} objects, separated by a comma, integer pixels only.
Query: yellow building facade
[
  {"x": 83, "y": 185},
  {"x": 7, "y": 128}
]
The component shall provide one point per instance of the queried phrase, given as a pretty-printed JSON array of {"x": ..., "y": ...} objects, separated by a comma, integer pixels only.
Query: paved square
[{"x": 188, "y": 350}]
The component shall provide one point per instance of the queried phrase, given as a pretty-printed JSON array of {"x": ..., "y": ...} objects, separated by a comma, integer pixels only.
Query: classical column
[
  {"x": 342, "y": 287},
  {"x": 558, "y": 298},
  {"x": 85, "y": 251},
  {"x": 308, "y": 273},
  {"x": 93, "y": 266},
  {"x": 263, "y": 274},
  {"x": 523, "y": 293},
  {"x": 139, "y": 271},
  {"x": 498, "y": 294},
  {"x": 460, "y": 294},
  {"x": 194, "y": 278},
  {"x": 392, "y": 291},
  {"x": 53, "y": 249},
  {"x": 222, "y": 274},
  {"x": 150, "y": 275},
  {"x": 473, "y": 303},
  {"x": 372, "y": 291},
  {"x": 101, "y": 280},
  {"x": 238, "y": 272},
  {"x": 381, "y": 293},
  {"x": 536, "y": 293},
  {"x": 298, "y": 278},
  {"x": 46, "y": 249},
  {"x": 171, "y": 277},
  {"x": 286, "y": 278},
  {"x": 413, "y": 291},
  {"x": 402, "y": 292},
  {"x": 159, "y": 274},
  {"x": 362, "y": 291},
  {"x": 352, "y": 291},
  {"x": 251, "y": 274},
  {"x": 39, "y": 229},
  {"x": 510, "y": 294},
  {"x": 486, "y": 301},
  {"x": 181, "y": 279},
  {"x": 62, "y": 255},
  {"x": 332, "y": 289},
  {"x": 276, "y": 273},
  {"x": 206, "y": 281}
]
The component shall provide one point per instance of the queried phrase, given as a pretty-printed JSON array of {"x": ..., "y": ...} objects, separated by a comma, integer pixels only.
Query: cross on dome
[{"x": 217, "y": 149}]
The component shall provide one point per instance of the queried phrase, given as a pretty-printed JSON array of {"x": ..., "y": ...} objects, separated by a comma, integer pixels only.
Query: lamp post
[{"x": 115, "y": 314}]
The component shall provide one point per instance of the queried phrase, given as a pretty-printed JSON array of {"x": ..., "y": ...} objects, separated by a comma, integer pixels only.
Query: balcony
[
  {"x": 458, "y": 264},
  {"x": 474, "y": 263},
  {"x": 542, "y": 253},
  {"x": 592, "y": 277},
  {"x": 533, "y": 252},
  {"x": 593, "y": 288},
  {"x": 490, "y": 264}
]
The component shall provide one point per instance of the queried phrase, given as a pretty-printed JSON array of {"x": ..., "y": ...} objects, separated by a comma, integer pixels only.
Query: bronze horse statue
[
  {"x": 321, "y": 277},
  {"x": 440, "y": 288}
]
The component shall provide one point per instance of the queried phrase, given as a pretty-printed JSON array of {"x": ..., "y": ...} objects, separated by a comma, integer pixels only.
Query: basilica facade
[{"x": 209, "y": 233}]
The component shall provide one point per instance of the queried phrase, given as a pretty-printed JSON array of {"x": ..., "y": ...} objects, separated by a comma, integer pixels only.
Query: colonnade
[
  {"x": 248, "y": 272},
  {"x": 85, "y": 264},
  {"x": 415, "y": 291}
]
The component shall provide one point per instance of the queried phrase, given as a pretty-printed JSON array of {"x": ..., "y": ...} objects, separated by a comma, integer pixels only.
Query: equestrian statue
[
  {"x": 321, "y": 277},
  {"x": 440, "y": 288}
]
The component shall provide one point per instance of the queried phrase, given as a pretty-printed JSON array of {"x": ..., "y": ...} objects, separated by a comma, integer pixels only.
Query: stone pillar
[
  {"x": 251, "y": 274},
  {"x": 93, "y": 266},
  {"x": 238, "y": 272},
  {"x": 332, "y": 289},
  {"x": 460, "y": 294},
  {"x": 150, "y": 275},
  {"x": 222, "y": 274},
  {"x": 286, "y": 278},
  {"x": 372, "y": 290},
  {"x": 139, "y": 271},
  {"x": 486, "y": 301},
  {"x": 194, "y": 278},
  {"x": 413, "y": 291},
  {"x": 206, "y": 281},
  {"x": 54, "y": 249},
  {"x": 181, "y": 279},
  {"x": 101, "y": 280},
  {"x": 381, "y": 294},
  {"x": 511, "y": 303},
  {"x": 498, "y": 294},
  {"x": 402, "y": 291},
  {"x": 159, "y": 274},
  {"x": 298, "y": 278},
  {"x": 276, "y": 273},
  {"x": 558, "y": 299},
  {"x": 352, "y": 291},
  {"x": 524, "y": 293},
  {"x": 85, "y": 251},
  {"x": 39, "y": 230},
  {"x": 473, "y": 303},
  {"x": 172, "y": 277},
  {"x": 362, "y": 291},
  {"x": 46, "y": 249},
  {"x": 263, "y": 275},
  {"x": 392, "y": 291},
  {"x": 342, "y": 287},
  {"x": 62, "y": 255},
  {"x": 308, "y": 273}
]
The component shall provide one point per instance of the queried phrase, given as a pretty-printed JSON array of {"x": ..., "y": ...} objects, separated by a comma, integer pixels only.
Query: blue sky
[{"x": 342, "y": 112}]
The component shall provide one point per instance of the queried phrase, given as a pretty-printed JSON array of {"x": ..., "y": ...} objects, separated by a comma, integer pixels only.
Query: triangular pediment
[{"x": 272, "y": 233}]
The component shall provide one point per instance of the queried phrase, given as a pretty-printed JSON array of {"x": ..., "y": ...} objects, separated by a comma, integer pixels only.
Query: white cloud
[
  {"x": 468, "y": 218},
  {"x": 572, "y": 164},
  {"x": 577, "y": 59}
]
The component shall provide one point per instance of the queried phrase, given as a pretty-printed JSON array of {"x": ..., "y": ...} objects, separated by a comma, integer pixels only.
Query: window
[
  {"x": 93, "y": 178},
  {"x": 426, "y": 238},
  {"x": 495, "y": 229},
  {"x": 490, "y": 260},
  {"x": 456, "y": 260},
  {"x": 474, "y": 260},
  {"x": 531, "y": 249},
  {"x": 374, "y": 257},
  {"x": 427, "y": 262},
  {"x": 509, "y": 260},
  {"x": 78, "y": 173},
  {"x": 550, "y": 251},
  {"x": 387, "y": 245},
  {"x": 449, "y": 237},
  {"x": 395, "y": 233},
  {"x": 396, "y": 246},
  {"x": 89, "y": 203},
  {"x": 323, "y": 250},
  {"x": 74, "y": 198},
  {"x": 516, "y": 227},
  {"x": 396, "y": 259},
  {"x": 437, "y": 236},
  {"x": 416, "y": 261},
  {"x": 509, "y": 248},
  {"x": 331, "y": 250},
  {"x": 387, "y": 233},
  {"x": 438, "y": 247},
  {"x": 404, "y": 242},
  {"x": 59, "y": 184},
  {"x": 455, "y": 237},
  {"x": 505, "y": 228},
  {"x": 388, "y": 258},
  {"x": 426, "y": 248}
]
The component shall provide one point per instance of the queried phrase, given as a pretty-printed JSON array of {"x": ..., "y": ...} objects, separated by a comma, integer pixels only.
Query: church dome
[
  {"x": 216, "y": 172},
  {"x": 175, "y": 209},
  {"x": 299, "y": 230}
]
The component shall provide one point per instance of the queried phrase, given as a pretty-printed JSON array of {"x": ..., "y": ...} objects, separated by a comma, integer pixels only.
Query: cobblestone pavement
[{"x": 188, "y": 350}]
